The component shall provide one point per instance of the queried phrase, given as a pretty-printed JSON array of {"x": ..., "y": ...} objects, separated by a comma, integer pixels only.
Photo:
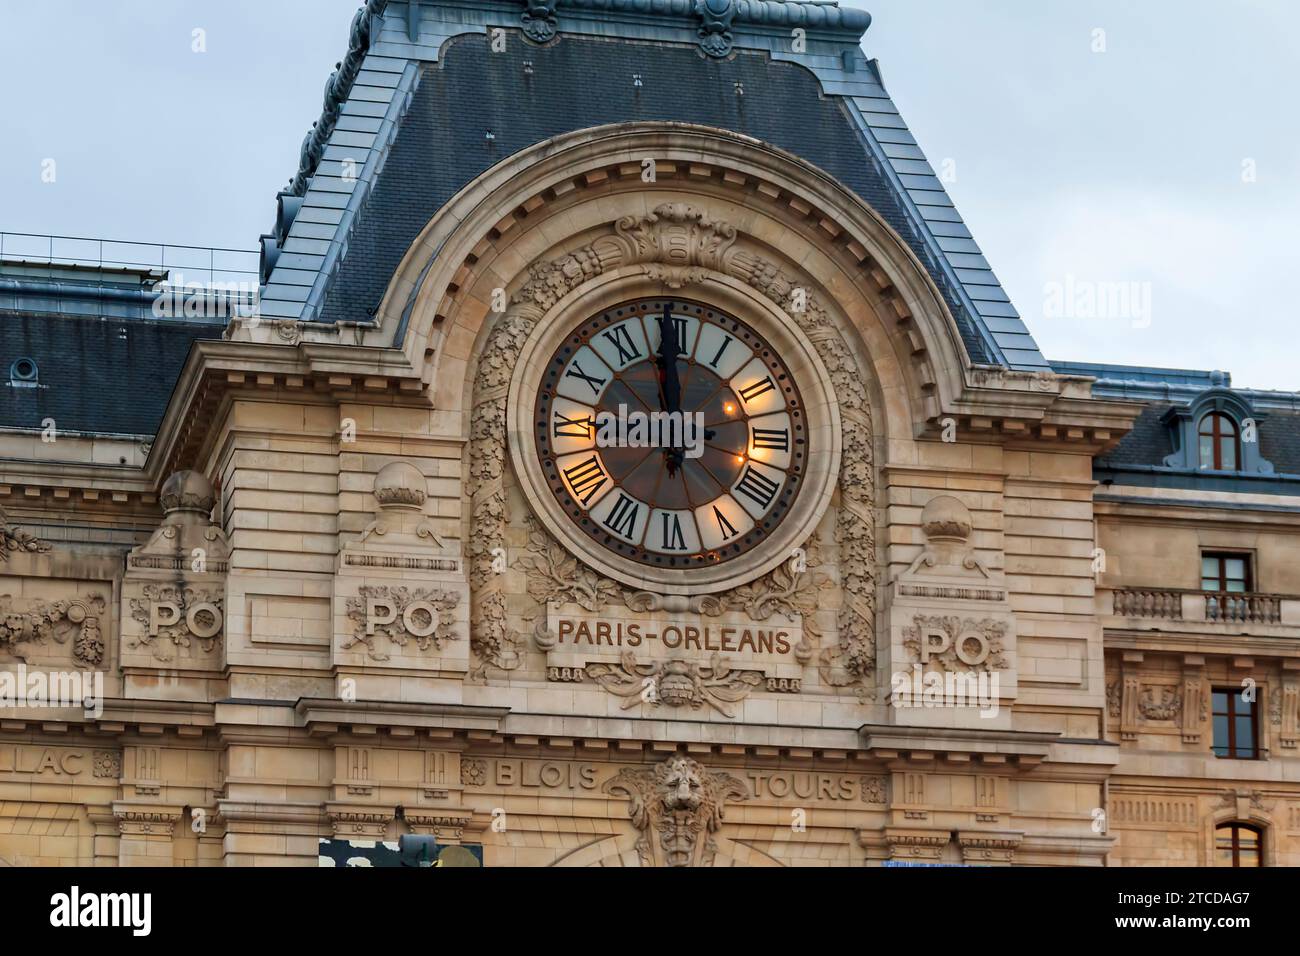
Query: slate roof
[
  {"x": 1142, "y": 452},
  {"x": 99, "y": 376},
  {"x": 409, "y": 111}
]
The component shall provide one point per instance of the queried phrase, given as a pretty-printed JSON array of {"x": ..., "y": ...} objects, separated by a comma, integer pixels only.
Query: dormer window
[{"x": 1219, "y": 443}]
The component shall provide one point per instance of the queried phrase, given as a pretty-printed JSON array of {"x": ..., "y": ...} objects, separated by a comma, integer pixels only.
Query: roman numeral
[
  {"x": 724, "y": 525},
  {"x": 680, "y": 326},
  {"x": 758, "y": 488},
  {"x": 566, "y": 427},
  {"x": 718, "y": 358},
  {"x": 575, "y": 371},
  {"x": 777, "y": 439},
  {"x": 622, "y": 520},
  {"x": 757, "y": 389},
  {"x": 674, "y": 540},
  {"x": 586, "y": 479},
  {"x": 621, "y": 339}
]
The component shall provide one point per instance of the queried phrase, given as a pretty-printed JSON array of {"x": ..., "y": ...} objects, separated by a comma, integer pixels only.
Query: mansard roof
[
  {"x": 429, "y": 97},
  {"x": 1149, "y": 455}
]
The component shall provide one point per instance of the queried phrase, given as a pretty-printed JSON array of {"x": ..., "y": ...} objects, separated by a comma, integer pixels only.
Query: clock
[{"x": 671, "y": 433}]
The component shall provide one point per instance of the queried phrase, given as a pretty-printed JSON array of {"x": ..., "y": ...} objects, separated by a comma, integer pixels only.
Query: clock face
[{"x": 671, "y": 433}]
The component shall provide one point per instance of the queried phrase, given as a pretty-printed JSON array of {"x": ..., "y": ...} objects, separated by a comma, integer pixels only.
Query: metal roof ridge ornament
[
  {"x": 715, "y": 29},
  {"x": 539, "y": 20},
  {"x": 337, "y": 88}
]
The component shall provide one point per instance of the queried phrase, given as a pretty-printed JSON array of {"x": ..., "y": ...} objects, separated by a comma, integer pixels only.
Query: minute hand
[
  {"x": 668, "y": 351},
  {"x": 670, "y": 386}
]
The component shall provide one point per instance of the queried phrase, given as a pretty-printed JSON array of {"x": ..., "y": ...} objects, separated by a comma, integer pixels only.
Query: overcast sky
[{"x": 1170, "y": 161}]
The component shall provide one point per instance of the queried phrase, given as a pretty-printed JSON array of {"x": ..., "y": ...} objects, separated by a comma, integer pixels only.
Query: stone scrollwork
[
  {"x": 77, "y": 619},
  {"x": 677, "y": 236},
  {"x": 401, "y": 615},
  {"x": 554, "y": 575},
  {"x": 679, "y": 801},
  {"x": 676, "y": 683}
]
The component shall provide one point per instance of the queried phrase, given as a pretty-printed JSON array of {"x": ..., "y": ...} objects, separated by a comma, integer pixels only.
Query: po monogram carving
[
  {"x": 401, "y": 615},
  {"x": 679, "y": 801},
  {"x": 962, "y": 643},
  {"x": 179, "y": 616}
]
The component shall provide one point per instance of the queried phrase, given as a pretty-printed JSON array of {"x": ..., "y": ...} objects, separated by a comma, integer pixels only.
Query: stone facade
[{"x": 324, "y": 606}]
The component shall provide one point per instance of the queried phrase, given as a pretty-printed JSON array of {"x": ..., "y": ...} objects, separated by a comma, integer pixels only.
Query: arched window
[
  {"x": 1219, "y": 448},
  {"x": 1238, "y": 844}
]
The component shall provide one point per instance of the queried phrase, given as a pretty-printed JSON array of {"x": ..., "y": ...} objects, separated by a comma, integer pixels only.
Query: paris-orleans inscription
[{"x": 657, "y": 658}]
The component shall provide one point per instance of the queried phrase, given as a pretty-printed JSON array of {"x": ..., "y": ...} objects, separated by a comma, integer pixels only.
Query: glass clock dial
[{"x": 671, "y": 433}]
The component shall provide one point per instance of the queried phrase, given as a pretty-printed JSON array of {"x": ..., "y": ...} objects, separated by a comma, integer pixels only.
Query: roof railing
[{"x": 205, "y": 265}]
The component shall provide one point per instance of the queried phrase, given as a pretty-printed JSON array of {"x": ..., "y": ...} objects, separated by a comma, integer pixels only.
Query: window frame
[
  {"x": 1217, "y": 437},
  {"x": 1236, "y": 826},
  {"x": 1233, "y": 696},
  {"x": 1223, "y": 557}
]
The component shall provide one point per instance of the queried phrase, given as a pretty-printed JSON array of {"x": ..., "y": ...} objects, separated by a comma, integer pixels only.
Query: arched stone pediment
[{"x": 573, "y": 192}]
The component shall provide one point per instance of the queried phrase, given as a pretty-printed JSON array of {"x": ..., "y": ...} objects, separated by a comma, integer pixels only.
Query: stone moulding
[{"x": 686, "y": 239}]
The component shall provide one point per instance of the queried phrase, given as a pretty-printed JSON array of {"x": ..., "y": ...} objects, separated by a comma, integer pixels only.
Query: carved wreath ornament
[
  {"x": 401, "y": 615},
  {"x": 683, "y": 245}
]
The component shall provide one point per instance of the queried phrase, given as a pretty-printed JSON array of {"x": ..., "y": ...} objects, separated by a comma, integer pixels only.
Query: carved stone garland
[
  {"x": 683, "y": 245},
  {"x": 16, "y": 539}
]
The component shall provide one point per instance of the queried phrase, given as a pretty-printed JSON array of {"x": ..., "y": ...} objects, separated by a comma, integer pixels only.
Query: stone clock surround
[{"x": 728, "y": 294}]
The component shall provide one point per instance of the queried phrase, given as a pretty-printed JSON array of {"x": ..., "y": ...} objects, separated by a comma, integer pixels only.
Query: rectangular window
[
  {"x": 1225, "y": 572},
  {"x": 1234, "y": 726}
]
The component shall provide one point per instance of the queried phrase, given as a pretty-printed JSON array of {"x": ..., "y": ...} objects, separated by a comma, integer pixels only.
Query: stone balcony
[{"x": 1199, "y": 614}]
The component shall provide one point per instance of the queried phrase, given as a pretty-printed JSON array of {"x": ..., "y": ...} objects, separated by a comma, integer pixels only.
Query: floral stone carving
[
  {"x": 15, "y": 539},
  {"x": 75, "y": 619},
  {"x": 676, "y": 683}
]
